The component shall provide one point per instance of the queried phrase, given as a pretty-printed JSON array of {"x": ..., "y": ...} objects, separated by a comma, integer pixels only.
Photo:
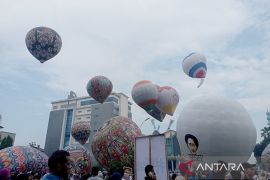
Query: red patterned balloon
[
  {"x": 99, "y": 88},
  {"x": 81, "y": 131},
  {"x": 114, "y": 142},
  {"x": 22, "y": 159},
  {"x": 80, "y": 159}
]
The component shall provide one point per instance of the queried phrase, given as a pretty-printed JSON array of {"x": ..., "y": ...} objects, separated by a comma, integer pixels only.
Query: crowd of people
[{"x": 59, "y": 169}]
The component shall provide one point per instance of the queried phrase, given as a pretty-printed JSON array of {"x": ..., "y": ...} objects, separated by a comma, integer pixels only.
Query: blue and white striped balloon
[{"x": 194, "y": 65}]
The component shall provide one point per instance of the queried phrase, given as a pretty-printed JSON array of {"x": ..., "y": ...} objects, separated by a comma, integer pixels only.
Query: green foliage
[
  {"x": 6, "y": 142},
  {"x": 265, "y": 134}
]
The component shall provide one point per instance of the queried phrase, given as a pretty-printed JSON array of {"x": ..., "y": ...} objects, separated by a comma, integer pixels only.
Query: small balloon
[
  {"x": 168, "y": 100},
  {"x": 145, "y": 94},
  {"x": 80, "y": 160},
  {"x": 43, "y": 43},
  {"x": 81, "y": 131},
  {"x": 99, "y": 88},
  {"x": 194, "y": 65}
]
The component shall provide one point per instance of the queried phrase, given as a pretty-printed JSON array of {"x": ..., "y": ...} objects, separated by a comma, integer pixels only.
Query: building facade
[
  {"x": 173, "y": 150},
  {"x": 66, "y": 112},
  {"x": 6, "y": 139}
]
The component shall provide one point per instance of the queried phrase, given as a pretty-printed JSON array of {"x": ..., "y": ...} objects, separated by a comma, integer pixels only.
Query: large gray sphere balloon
[{"x": 215, "y": 128}]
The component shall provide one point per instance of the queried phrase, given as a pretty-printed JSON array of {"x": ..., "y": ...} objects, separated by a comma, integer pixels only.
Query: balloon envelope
[
  {"x": 22, "y": 159},
  {"x": 145, "y": 94},
  {"x": 43, "y": 43},
  {"x": 80, "y": 159},
  {"x": 168, "y": 100},
  {"x": 81, "y": 131},
  {"x": 215, "y": 128},
  {"x": 194, "y": 65},
  {"x": 114, "y": 143},
  {"x": 99, "y": 88}
]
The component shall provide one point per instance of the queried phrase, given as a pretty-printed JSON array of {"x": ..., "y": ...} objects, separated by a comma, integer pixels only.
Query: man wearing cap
[{"x": 249, "y": 170}]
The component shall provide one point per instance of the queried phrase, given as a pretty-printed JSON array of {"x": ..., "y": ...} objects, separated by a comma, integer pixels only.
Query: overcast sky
[{"x": 128, "y": 41}]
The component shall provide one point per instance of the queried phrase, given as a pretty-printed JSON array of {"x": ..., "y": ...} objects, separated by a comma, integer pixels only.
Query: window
[
  {"x": 88, "y": 117},
  {"x": 129, "y": 108},
  {"x": 55, "y": 107},
  {"x": 129, "y": 115},
  {"x": 68, "y": 127},
  {"x": 79, "y": 111},
  {"x": 88, "y": 102},
  {"x": 79, "y": 118},
  {"x": 112, "y": 99}
]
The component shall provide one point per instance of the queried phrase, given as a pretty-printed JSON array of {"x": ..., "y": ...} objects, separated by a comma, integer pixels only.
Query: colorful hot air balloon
[
  {"x": 22, "y": 159},
  {"x": 212, "y": 128},
  {"x": 81, "y": 131},
  {"x": 167, "y": 100},
  {"x": 99, "y": 88},
  {"x": 114, "y": 143},
  {"x": 145, "y": 94},
  {"x": 194, "y": 65},
  {"x": 43, "y": 43},
  {"x": 80, "y": 159}
]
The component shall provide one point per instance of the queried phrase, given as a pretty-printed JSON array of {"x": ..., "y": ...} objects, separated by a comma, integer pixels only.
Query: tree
[
  {"x": 265, "y": 134},
  {"x": 6, "y": 142}
]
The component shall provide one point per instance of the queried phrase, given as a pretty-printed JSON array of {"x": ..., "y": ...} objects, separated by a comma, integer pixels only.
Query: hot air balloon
[
  {"x": 194, "y": 65},
  {"x": 81, "y": 131},
  {"x": 99, "y": 88},
  {"x": 145, "y": 94},
  {"x": 114, "y": 143},
  {"x": 80, "y": 159},
  {"x": 43, "y": 43},
  {"x": 167, "y": 100},
  {"x": 212, "y": 128},
  {"x": 155, "y": 112},
  {"x": 22, "y": 159}
]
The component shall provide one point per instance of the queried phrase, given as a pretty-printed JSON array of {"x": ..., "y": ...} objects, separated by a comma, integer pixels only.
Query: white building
[{"x": 65, "y": 112}]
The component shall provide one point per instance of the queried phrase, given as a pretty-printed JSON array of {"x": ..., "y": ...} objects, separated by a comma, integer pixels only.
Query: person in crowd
[
  {"x": 22, "y": 176},
  {"x": 150, "y": 173},
  {"x": 173, "y": 176},
  {"x": 5, "y": 174},
  {"x": 59, "y": 166},
  {"x": 116, "y": 176},
  {"x": 235, "y": 175},
  {"x": 95, "y": 174},
  {"x": 36, "y": 177},
  {"x": 249, "y": 170},
  {"x": 127, "y": 173}
]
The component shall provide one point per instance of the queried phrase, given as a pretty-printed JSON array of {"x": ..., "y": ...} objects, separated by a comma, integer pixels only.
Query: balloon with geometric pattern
[
  {"x": 22, "y": 159},
  {"x": 194, "y": 65},
  {"x": 43, "y": 43},
  {"x": 80, "y": 160},
  {"x": 81, "y": 131},
  {"x": 99, "y": 88},
  {"x": 114, "y": 143}
]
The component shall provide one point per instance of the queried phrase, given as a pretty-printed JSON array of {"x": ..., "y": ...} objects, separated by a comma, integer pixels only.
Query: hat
[
  {"x": 4, "y": 173},
  {"x": 247, "y": 165}
]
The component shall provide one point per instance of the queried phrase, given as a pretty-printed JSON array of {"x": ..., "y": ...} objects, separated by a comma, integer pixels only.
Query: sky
[{"x": 128, "y": 41}]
